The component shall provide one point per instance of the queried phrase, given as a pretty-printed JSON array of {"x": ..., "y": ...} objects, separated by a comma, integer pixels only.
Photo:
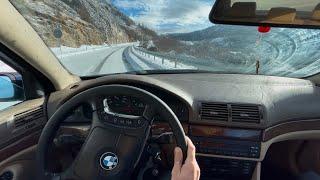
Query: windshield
[{"x": 98, "y": 37}]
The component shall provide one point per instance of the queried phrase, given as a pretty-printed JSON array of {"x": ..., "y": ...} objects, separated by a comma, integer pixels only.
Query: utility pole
[{"x": 257, "y": 67}]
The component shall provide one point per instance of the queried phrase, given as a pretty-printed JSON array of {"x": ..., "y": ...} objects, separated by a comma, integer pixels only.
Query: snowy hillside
[
  {"x": 81, "y": 21},
  {"x": 282, "y": 52}
]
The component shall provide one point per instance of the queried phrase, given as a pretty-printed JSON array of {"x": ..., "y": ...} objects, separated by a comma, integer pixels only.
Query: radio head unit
[
  {"x": 226, "y": 141},
  {"x": 221, "y": 132}
]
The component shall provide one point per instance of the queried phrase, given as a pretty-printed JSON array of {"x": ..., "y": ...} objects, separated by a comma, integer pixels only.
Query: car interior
[{"x": 57, "y": 125}]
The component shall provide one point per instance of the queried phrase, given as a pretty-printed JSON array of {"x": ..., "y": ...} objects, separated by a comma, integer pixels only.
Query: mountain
[
  {"x": 81, "y": 22},
  {"x": 279, "y": 51},
  {"x": 213, "y": 42},
  {"x": 216, "y": 31}
]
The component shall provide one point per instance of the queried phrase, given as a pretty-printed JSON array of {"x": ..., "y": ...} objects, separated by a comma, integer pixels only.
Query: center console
[
  {"x": 225, "y": 169},
  {"x": 226, "y": 153}
]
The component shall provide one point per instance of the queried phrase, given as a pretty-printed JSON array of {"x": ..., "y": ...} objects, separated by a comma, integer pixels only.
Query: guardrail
[
  {"x": 155, "y": 56},
  {"x": 175, "y": 60}
]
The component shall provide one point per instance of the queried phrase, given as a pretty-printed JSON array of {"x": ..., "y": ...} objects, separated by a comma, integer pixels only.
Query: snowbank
[
  {"x": 138, "y": 63},
  {"x": 161, "y": 62},
  {"x": 65, "y": 51},
  {"x": 5, "y": 68}
]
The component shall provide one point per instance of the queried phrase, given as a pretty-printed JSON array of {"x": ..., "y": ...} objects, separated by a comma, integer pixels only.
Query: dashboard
[
  {"x": 232, "y": 119},
  {"x": 125, "y": 105}
]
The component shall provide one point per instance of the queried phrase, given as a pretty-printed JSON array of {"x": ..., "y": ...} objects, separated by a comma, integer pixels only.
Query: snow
[
  {"x": 64, "y": 51},
  {"x": 189, "y": 43},
  {"x": 5, "y": 68},
  {"x": 91, "y": 59},
  {"x": 41, "y": 7},
  {"x": 143, "y": 65},
  {"x": 150, "y": 45},
  {"x": 161, "y": 62}
]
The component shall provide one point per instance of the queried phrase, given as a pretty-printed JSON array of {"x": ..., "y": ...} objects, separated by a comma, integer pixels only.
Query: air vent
[
  {"x": 214, "y": 111},
  {"x": 246, "y": 113},
  {"x": 28, "y": 117}
]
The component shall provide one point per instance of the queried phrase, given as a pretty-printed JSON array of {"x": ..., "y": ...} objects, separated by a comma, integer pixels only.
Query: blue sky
[{"x": 168, "y": 16}]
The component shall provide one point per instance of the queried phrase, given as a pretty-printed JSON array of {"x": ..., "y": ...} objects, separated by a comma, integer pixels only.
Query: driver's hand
[{"x": 190, "y": 169}]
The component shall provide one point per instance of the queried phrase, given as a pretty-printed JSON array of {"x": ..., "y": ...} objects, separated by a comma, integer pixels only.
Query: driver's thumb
[{"x": 177, "y": 161}]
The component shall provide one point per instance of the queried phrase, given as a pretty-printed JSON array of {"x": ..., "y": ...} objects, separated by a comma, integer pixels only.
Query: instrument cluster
[
  {"x": 124, "y": 105},
  {"x": 128, "y": 105}
]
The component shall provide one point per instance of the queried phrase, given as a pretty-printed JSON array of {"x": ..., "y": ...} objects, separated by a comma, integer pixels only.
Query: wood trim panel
[
  {"x": 16, "y": 147},
  {"x": 288, "y": 127}
]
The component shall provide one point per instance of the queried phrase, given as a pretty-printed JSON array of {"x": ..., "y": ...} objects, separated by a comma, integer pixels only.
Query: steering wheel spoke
[
  {"x": 122, "y": 121},
  {"x": 115, "y": 142},
  {"x": 149, "y": 113}
]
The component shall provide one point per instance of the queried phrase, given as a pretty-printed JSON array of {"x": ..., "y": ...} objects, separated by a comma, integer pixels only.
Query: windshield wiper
[
  {"x": 148, "y": 72},
  {"x": 167, "y": 71},
  {"x": 161, "y": 71}
]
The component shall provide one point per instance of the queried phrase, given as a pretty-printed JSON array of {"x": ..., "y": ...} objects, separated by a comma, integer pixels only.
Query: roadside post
[{"x": 57, "y": 33}]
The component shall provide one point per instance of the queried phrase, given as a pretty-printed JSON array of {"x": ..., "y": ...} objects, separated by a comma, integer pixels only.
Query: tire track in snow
[{"x": 99, "y": 66}]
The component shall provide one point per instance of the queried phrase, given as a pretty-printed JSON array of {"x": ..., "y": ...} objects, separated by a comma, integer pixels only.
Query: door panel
[
  {"x": 20, "y": 128},
  {"x": 21, "y": 166}
]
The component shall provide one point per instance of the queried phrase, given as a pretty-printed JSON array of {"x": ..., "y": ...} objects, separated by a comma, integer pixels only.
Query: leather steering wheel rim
[{"x": 53, "y": 124}]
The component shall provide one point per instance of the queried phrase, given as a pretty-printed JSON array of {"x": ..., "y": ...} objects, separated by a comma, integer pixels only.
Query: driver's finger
[
  {"x": 177, "y": 161},
  {"x": 191, "y": 151}
]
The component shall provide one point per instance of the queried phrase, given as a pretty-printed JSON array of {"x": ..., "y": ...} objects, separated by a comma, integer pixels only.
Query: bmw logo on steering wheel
[{"x": 109, "y": 161}]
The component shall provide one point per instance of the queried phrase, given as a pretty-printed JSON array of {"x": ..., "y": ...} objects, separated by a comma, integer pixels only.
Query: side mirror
[{"x": 11, "y": 87}]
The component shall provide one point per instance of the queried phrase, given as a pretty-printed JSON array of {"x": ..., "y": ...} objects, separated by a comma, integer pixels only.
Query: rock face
[{"x": 81, "y": 22}]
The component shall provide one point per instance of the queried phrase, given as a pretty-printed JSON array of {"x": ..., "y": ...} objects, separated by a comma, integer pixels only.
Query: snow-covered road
[
  {"x": 113, "y": 62},
  {"x": 110, "y": 60},
  {"x": 99, "y": 61}
]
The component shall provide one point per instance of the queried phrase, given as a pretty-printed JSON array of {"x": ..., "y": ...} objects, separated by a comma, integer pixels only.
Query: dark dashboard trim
[
  {"x": 127, "y": 79},
  {"x": 61, "y": 97},
  {"x": 78, "y": 129},
  {"x": 293, "y": 126}
]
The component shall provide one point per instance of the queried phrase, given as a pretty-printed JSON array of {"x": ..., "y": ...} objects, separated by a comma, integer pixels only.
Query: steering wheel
[{"x": 115, "y": 142}]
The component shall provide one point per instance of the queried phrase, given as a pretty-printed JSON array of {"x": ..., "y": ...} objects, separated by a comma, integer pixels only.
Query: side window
[{"x": 11, "y": 87}]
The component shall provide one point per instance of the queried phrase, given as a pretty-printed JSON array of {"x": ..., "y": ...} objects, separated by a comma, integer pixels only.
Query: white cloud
[{"x": 168, "y": 16}]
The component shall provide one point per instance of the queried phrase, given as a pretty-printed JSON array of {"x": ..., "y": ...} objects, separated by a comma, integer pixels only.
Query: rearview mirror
[
  {"x": 273, "y": 13},
  {"x": 11, "y": 88}
]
